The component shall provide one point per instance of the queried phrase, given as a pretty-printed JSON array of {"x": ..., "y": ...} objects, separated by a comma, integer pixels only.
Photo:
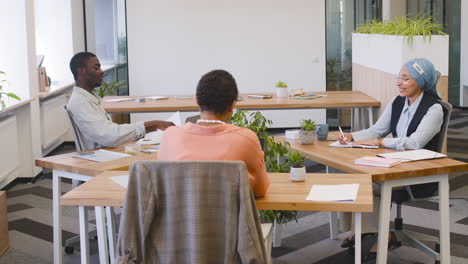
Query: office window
[
  {"x": 448, "y": 14},
  {"x": 13, "y": 47},
  {"x": 342, "y": 17},
  {"x": 107, "y": 35},
  {"x": 54, "y": 40}
]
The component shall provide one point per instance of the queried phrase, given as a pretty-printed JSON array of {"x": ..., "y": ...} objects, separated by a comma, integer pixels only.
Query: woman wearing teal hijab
[{"x": 414, "y": 118}]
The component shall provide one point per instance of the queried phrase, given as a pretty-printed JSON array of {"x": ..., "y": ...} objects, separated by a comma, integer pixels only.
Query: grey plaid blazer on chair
[{"x": 189, "y": 212}]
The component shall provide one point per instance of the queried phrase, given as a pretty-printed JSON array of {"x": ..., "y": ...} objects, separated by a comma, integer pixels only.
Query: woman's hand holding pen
[{"x": 345, "y": 138}]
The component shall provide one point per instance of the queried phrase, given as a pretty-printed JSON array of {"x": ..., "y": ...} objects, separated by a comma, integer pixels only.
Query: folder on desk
[{"x": 413, "y": 155}]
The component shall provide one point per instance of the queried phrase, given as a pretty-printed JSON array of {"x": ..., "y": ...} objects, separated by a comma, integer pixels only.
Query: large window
[
  {"x": 342, "y": 18},
  {"x": 448, "y": 14},
  {"x": 13, "y": 48}
]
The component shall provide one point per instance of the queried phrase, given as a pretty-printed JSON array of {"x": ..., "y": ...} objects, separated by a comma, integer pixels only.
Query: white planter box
[{"x": 388, "y": 53}]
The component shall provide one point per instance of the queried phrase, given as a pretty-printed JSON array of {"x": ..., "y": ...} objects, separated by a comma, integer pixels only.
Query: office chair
[
  {"x": 79, "y": 147},
  {"x": 404, "y": 195},
  {"x": 191, "y": 212}
]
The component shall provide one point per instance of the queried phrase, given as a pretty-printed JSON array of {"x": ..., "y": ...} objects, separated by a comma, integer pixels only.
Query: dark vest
[{"x": 426, "y": 189}]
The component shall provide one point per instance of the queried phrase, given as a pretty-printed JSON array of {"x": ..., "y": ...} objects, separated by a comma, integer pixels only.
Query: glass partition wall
[{"x": 342, "y": 17}]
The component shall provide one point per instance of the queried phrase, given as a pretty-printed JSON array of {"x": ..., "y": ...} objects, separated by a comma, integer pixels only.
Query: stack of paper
[
  {"x": 333, "y": 193},
  {"x": 377, "y": 162},
  {"x": 101, "y": 155}
]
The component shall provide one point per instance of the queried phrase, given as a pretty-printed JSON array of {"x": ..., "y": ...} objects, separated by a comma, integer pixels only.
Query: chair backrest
[
  {"x": 75, "y": 131},
  {"x": 190, "y": 212},
  {"x": 192, "y": 119},
  {"x": 447, "y": 107}
]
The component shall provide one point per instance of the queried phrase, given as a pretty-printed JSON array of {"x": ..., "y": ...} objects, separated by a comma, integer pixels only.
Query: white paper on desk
[
  {"x": 154, "y": 137},
  {"x": 349, "y": 145},
  {"x": 333, "y": 193},
  {"x": 121, "y": 180},
  {"x": 117, "y": 100},
  {"x": 413, "y": 155},
  {"x": 157, "y": 97},
  {"x": 101, "y": 155}
]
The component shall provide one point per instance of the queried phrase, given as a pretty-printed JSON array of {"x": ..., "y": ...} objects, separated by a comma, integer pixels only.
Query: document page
[
  {"x": 333, "y": 193},
  {"x": 349, "y": 145},
  {"x": 121, "y": 180},
  {"x": 101, "y": 155},
  {"x": 154, "y": 138},
  {"x": 117, "y": 100},
  {"x": 413, "y": 155}
]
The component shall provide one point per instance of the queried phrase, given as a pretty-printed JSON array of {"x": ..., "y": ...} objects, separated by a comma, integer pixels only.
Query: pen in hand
[{"x": 342, "y": 134}]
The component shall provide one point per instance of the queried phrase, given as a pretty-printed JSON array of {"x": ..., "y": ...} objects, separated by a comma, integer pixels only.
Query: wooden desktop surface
[
  {"x": 282, "y": 193},
  {"x": 65, "y": 162},
  {"x": 343, "y": 159},
  {"x": 333, "y": 99}
]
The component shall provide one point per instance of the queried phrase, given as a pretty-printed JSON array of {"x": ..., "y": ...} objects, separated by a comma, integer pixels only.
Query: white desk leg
[
  {"x": 333, "y": 225},
  {"x": 357, "y": 237},
  {"x": 57, "y": 215},
  {"x": 84, "y": 237},
  {"x": 384, "y": 220},
  {"x": 371, "y": 116},
  {"x": 277, "y": 234},
  {"x": 111, "y": 232},
  {"x": 102, "y": 236},
  {"x": 444, "y": 220}
]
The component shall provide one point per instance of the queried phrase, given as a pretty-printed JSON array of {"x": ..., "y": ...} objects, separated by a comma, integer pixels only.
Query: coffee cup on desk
[{"x": 322, "y": 131}]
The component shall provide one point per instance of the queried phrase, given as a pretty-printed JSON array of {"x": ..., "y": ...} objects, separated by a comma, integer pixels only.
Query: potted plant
[
  {"x": 281, "y": 89},
  {"x": 394, "y": 42},
  {"x": 4, "y": 94},
  {"x": 109, "y": 88},
  {"x": 296, "y": 161},
  {"x": 307, "y": 132}
]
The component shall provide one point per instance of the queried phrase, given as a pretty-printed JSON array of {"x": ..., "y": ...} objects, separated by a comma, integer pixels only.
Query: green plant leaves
[
  {"x": 281, "y": 84},
  {"x": 420, "y": 25},
  {"x": 109, "y": 88},
  {"x": 308, "y": 125}
]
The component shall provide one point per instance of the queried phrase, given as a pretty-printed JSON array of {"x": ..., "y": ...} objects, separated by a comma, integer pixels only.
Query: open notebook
[{"x": 349, "y": 145}]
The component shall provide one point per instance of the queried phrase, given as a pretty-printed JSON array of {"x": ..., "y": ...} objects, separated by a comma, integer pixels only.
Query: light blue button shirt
[{"x": 429, "y": 127}]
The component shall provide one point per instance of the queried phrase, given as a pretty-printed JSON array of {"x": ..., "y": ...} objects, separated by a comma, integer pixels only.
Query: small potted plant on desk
[
  {"x": 307, "y": 132},
  {"x": 281, "y": 89},
  {"x": 296, "y": 160}
]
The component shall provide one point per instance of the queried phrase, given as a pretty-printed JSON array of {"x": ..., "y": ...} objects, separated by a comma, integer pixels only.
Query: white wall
[
  {"x": 464, "y": 54},
  {"x": 172, "y": 43}
]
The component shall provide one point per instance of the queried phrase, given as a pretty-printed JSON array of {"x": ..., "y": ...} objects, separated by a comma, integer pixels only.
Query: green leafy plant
[
  {"x": 109, "y": 88},
  {"x": 295, "y": 159},
  {"x": 3, "y": 93},
  {"x": 420, "y": 25},
  {"x": 281, "y": 84},
  {"x": 308, "y": 125},
  {"x": 274, "y": 156}
]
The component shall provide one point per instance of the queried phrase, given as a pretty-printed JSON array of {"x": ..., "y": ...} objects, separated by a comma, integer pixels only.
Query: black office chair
[{"x": 429, "y": 191}]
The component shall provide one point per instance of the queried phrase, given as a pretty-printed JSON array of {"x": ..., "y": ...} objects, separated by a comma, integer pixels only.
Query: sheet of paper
[
  {"x": 157, "y": 97},
  {"x": 121, "y": 180},
  {"x": 333, "y": 193},
  {"x": 154, "y": 138},
  {"x": 117, "y": 100},
  {"x": 413, "y": 155},
  {"x": 349, "y": 145},
  {"x": 101, "y": 155}
]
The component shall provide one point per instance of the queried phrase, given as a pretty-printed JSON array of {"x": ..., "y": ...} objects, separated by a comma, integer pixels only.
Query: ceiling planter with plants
[{"x": 381, "y": 48}]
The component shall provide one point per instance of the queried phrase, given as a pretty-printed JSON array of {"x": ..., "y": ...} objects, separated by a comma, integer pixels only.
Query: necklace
[{"x": 210, "y": 121}]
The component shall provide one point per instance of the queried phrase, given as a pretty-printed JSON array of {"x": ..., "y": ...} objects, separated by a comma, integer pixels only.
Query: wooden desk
[
  {"x": 403, "y": 174},
  {"x": 65, "y": 166},
  {"x": 282, "y": 195}
]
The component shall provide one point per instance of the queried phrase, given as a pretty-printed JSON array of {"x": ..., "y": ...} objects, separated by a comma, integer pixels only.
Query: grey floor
[{"x": 30, "y": 220}]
